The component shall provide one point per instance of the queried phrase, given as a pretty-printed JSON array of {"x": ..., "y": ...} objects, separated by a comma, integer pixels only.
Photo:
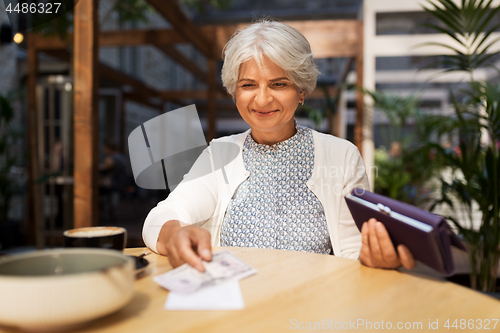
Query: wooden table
[{"x": 296, "y": 289}]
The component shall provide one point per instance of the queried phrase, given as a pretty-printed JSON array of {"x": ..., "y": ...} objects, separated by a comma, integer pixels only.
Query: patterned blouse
[{"x": 274, "y": 208}]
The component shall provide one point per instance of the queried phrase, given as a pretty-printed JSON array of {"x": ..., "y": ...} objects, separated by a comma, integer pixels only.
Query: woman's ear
[{"x": 302, "y": 96}]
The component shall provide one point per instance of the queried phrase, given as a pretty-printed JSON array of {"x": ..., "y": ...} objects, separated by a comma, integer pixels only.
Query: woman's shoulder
[
  {"x": 331, "y": 141},
  {"x": 238, "y": 139},
  {"x": 227, "y": 148}
]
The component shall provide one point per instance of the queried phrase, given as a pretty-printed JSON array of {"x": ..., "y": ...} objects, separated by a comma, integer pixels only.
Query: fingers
[
  {"x": 406, "y": 257},
  {"x": 377, "y": 249},
  {"x": 187, "y": 254},
  {"x": 204, "y": 248},
  {"x": 173, "y": 255},
  {"x": 190, "y": 245},
  {"x": 389, "y": 255},
  {"x": 365, "y": 255}
]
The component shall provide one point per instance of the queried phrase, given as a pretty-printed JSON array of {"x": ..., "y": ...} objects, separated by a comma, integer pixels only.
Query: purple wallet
[{"x": 427, "y": 236}]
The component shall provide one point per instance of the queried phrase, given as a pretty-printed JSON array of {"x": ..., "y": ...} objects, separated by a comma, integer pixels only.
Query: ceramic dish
[{"x": 57, "y": 289}]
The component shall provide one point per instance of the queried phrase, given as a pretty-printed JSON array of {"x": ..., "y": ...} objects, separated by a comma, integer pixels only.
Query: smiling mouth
[{"x": 265, "y": 112}]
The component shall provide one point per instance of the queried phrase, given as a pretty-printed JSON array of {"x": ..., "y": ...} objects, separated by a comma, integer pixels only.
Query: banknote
[{"x": 224, "y": 267}]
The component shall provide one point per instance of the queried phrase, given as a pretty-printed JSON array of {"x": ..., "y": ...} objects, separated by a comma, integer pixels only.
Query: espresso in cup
[{"x": 101, "y": 237}]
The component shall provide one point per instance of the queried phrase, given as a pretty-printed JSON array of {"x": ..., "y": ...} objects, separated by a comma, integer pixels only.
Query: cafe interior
[{"x": 394, "y": 80}]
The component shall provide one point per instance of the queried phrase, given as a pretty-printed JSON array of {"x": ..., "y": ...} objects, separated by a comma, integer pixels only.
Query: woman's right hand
[{"x": 181, "y": 245}]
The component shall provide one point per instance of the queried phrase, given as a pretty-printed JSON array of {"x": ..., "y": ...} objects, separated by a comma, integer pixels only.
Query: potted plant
[{"x": 475, "y": 164}]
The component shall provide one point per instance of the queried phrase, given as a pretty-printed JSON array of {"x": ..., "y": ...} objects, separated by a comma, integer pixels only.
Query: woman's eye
[
  {"x": 280, "y": 84},
  {"x": 247, "y": 85}
]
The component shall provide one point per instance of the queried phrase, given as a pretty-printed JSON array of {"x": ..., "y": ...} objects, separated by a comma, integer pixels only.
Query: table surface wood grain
[{"x": 296, "y": 289}]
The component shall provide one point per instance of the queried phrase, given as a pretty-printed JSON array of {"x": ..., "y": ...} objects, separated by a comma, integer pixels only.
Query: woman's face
[{"x": 267, "y": 100}]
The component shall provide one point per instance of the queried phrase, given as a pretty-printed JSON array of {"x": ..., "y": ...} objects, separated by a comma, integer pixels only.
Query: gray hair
[{"x": 282, "y": 44}]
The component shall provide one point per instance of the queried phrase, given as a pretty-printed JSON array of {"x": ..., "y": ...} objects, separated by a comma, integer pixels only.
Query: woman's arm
[
  {"x": 193, "y": 202},
  {"x": 354, "y": 177},
  {"x": 188, "y": 244}
]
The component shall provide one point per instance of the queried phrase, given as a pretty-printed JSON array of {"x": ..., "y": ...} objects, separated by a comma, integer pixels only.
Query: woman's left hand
[{"x": 378, "y": 251}]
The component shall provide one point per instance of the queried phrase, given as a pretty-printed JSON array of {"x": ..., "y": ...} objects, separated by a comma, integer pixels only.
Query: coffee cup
[{"x": 99, "y": 237}]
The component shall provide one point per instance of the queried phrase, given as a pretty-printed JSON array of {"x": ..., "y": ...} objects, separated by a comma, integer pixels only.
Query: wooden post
[
  {"x": 35, "y": 212},
  {"x": 358, "y": 127},
  {"x": 212, "y": 101},
  {"x": 86, "y": 191}
]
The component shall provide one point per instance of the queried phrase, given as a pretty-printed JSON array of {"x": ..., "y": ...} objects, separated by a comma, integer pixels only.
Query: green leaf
[
  {"x": 478, "y": 19},
  {"x": 448, "y": 32},
  {"x": 451, "y": 7},
  {"x": 443, "y": 45},
  {"x": 486, "y": 47},
  {"x": 441, "y": 16},
  {"x": 448, "y": 10},
  {"x": 481, "y": 58}
]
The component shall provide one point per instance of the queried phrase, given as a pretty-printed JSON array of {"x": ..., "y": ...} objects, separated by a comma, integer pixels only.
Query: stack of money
[{"x": 224, "y": 267}]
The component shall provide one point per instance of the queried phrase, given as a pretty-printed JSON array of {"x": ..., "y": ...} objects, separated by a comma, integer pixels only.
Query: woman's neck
[{"x": 271, "y": 138}]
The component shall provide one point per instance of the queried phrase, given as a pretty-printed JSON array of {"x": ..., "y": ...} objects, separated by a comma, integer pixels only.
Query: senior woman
[{"x": 285, "y": 189}]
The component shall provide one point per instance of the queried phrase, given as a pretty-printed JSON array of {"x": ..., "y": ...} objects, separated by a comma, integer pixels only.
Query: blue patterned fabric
[{"x": 274, "y": 208}]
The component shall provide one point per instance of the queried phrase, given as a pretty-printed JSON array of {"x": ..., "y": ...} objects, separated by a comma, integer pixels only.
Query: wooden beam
[
  {"x": 188, "y": 64},
  {"x": 184, "y": 94},
  {"x": 170, "y": 10},
  {"x": 115, "y": 75},
  {"x": 86, "y": 131},
  {"x": 134, "y": 37},
  {"x": 62, "y": 55},
  {"x": 124, "y": 79},
  {"x": 218, "y": 38},
  {"x": 120, "y": 77},
  {"x": 43, "y": 43},
  {"x": 358, "y": 126},
  {"x": 220, "y": 107},
  {"x": 182, "y": 60},
  {"x": 131, "y": 38},
  {"x": 140, "y": 37},
  {"x": 141, "y": 99},
  {"x": 143, "y": 91},
  {"x": 328, "y": 38}
]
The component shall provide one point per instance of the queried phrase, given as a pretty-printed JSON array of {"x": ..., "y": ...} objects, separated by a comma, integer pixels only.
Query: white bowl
[{"x": 54, "y": 289}]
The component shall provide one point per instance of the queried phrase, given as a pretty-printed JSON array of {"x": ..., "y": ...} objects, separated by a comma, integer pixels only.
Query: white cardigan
[{"x": 204, "y": 195}]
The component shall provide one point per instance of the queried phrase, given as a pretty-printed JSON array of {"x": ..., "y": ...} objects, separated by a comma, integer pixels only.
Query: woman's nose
[{"x": 263, "y": 97}]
